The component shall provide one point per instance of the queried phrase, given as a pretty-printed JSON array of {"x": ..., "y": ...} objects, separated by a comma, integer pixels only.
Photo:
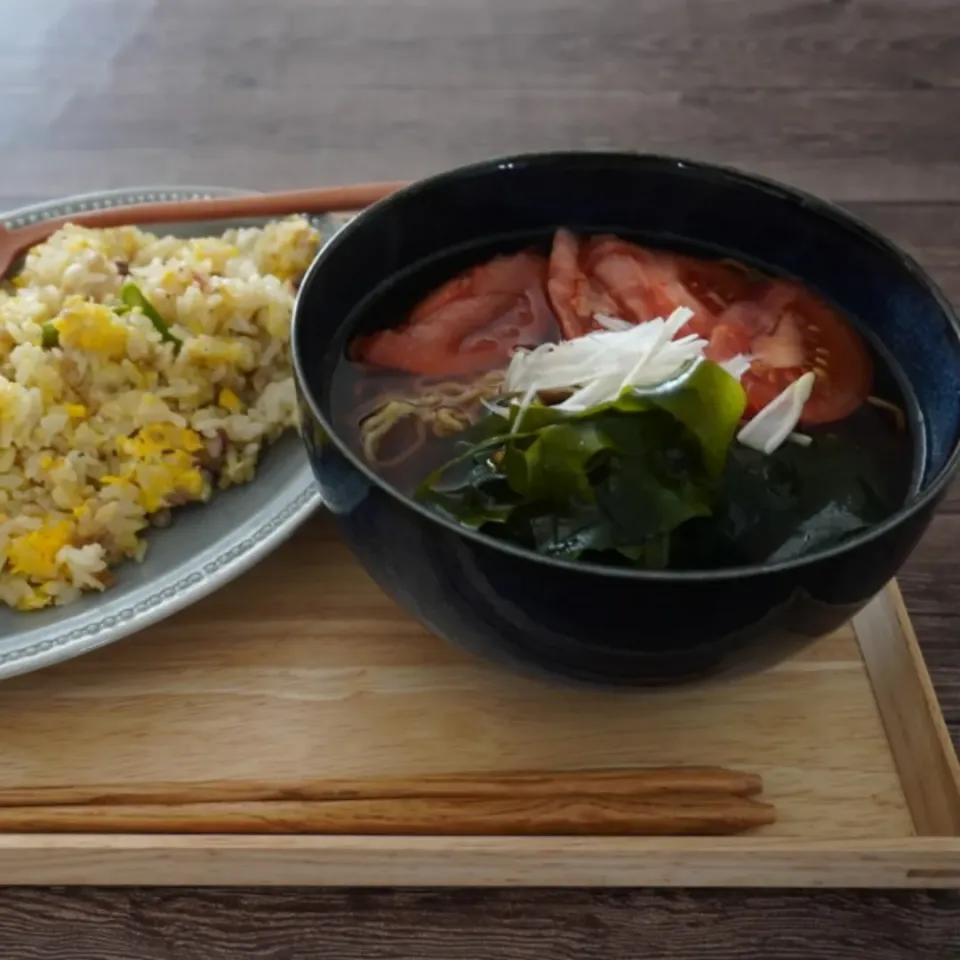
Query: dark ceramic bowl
[{"x": 593, "y": 623}]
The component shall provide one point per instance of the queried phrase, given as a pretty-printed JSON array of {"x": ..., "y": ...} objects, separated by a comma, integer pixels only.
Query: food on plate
[
  {"x": 592, "y": 399},
  {"x": 138, "y": 373}
]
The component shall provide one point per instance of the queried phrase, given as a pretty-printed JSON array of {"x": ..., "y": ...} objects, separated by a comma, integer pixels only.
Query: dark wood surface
[{"x": 858, "y": 100}]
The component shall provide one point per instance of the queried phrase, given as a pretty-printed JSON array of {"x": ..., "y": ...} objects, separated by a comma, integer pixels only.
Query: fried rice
[{"x": 138, "y": 373}]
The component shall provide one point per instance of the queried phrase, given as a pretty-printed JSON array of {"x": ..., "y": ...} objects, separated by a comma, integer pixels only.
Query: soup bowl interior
[{"x": 605, "y": 624}]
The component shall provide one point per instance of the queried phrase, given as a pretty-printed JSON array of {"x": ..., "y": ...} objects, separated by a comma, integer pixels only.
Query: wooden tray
[{"x": 303, "y": 669}]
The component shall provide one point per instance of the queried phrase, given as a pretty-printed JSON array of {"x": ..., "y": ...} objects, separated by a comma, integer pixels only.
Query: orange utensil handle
[
  {"x": 320, "y": 200},
  {"x": 516, "y": 816}
]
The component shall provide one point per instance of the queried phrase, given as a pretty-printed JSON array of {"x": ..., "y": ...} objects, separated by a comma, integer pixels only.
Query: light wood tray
[{"x": 303, "y": 669}]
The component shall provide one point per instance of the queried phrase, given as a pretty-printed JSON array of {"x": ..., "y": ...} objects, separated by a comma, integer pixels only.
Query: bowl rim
[{"x": 924, "y": 498}]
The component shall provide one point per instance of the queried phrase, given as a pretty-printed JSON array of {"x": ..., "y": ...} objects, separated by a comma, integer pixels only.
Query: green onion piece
[
  {"x": 50, "y": 336},
  {"x": 133, "y": 296}
]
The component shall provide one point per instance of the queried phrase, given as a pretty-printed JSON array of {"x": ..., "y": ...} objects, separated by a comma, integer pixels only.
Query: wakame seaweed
[
  {"x": 617, "y": 479},
  {"x": 779, "y": 506},
  {"x": 655, "y": 481}
]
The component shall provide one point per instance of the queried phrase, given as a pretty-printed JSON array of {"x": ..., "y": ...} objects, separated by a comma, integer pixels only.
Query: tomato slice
[
  {"x": 727, "y": 340},
  {"x": 479, "y": 318},
  {"x": 789, "y": 332},
  {"x": 473, "y": 322},
  {"x": 645, "y": 283},
  {"x": 575, "y": 295},
  {"x": 716, "y": 283}
]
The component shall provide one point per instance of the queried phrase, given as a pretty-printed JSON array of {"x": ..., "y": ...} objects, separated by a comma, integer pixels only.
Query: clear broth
[{"x": 890, "y": 459}]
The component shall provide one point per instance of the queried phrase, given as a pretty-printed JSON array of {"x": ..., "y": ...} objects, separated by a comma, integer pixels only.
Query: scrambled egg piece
[
  {"x": 83, "y": 325},
  {"x": 230, "y": 401},
  {"x": 162, "y": 466},
  {"x": 34, "y": 554},
  {"x": 214, "y": 351},
  {"x": 159, "y": 438},
  {"x": 215, "y": 251}
]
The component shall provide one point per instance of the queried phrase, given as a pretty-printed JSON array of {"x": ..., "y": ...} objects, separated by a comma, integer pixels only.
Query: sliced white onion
[
  {"x": 665, "y": 334},
  {"x": 612, "y": 323},
  {"x": 525, "y": 402},
  {"x": 776, "y": 421},
  {"x": 495, "y": 408},
  {"x": 599, "y": 366},
  {"x": 737, "y": 366}
]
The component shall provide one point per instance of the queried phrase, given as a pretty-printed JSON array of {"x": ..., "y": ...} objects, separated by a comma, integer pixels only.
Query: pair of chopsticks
[{"x": 616, "y": 802}]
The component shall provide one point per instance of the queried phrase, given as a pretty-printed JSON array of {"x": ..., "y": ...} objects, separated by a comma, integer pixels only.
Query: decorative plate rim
[{"x": 299, "y": 500}]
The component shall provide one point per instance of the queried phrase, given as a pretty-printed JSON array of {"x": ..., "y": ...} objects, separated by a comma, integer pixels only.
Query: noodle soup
[{"x": 591, "y": 399}]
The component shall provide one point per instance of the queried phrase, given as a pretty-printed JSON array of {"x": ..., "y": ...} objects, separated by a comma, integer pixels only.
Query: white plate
[{"x": 204, "y": 548}]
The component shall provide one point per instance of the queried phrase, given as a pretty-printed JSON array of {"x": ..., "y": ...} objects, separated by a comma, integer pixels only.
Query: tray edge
[
  {"x": 927, "y": 862},
  {"x": 890, "y": 653},
  {"x": 917, "y": 733}
]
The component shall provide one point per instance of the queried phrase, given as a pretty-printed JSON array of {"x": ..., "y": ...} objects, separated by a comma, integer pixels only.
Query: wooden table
[{"x": 858, "y": 100}]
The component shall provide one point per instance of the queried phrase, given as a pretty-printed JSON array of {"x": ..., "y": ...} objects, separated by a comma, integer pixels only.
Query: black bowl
[{"x": 594, "y": 623}]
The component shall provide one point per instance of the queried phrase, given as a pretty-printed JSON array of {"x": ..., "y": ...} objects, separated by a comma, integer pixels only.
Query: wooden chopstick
[
  {"x": 673, "y": 815},
  {"x": 642, "y": 782}
]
